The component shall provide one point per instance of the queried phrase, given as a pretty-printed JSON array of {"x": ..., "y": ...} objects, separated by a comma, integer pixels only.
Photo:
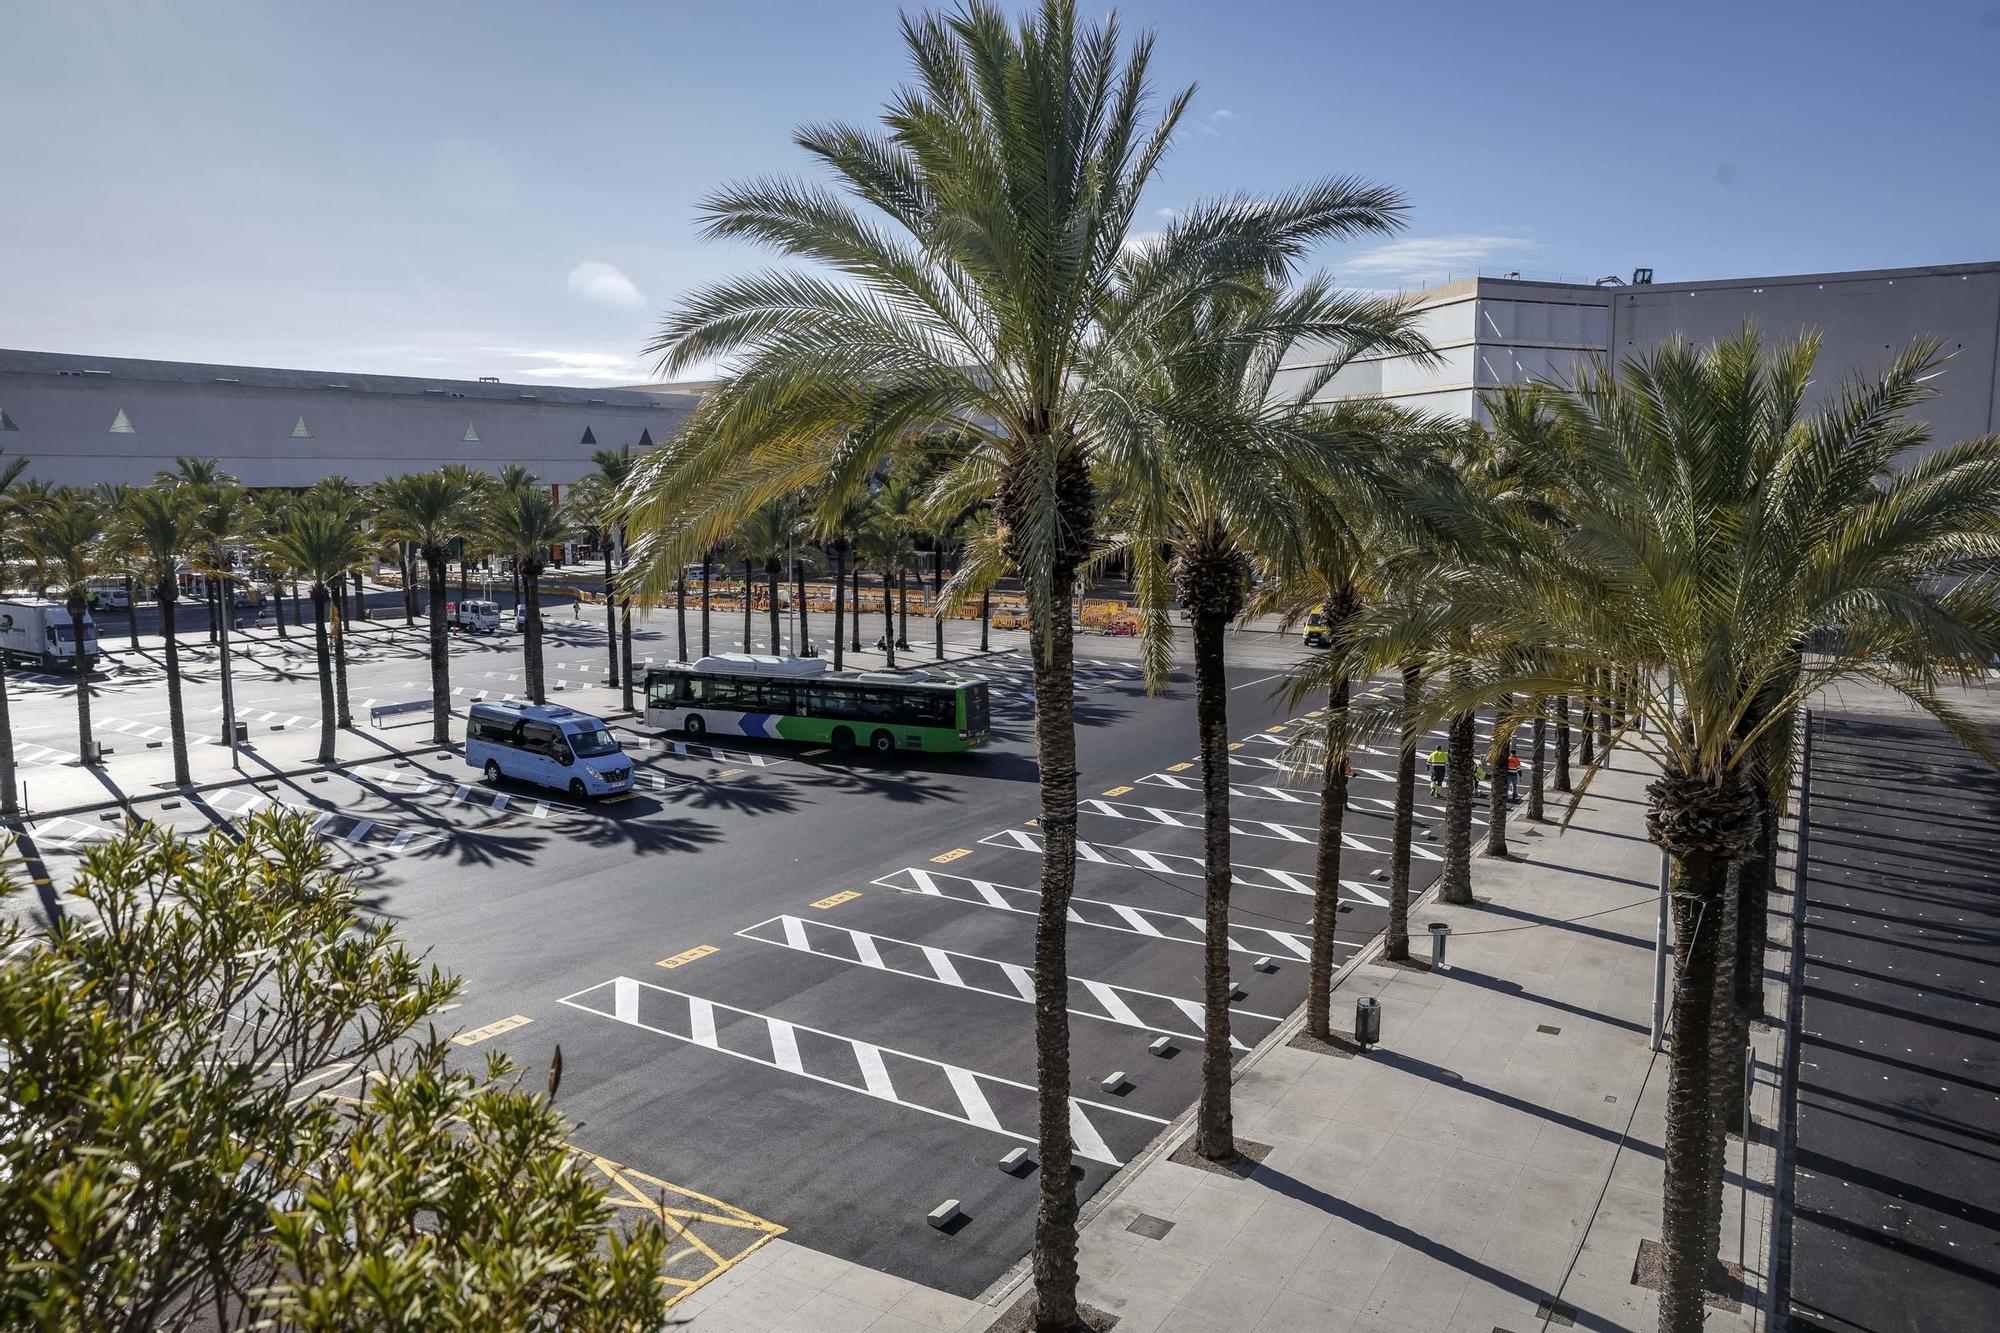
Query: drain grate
[
  {"x": 1549, "y": 1028},
  {"x": 1555, "y": 1312},
  {"x": 1152, "y": 1228}
]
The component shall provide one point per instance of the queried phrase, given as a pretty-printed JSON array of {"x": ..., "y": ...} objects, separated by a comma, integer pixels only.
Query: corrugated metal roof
[{"x": 13, "y": 361}]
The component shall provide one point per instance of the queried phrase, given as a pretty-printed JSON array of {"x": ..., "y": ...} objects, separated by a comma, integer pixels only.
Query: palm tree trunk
[
  {"x": 1586, "y": 748},
  {"x": 326, "y": 720},
  {"x": 531, "y": 633},
  {"x": 1396, "y": 939},
  {"x": 409, "y": 568},
  {"x": 937, "y": 596},
  {"x": 342, "y": 715},
  {"x": 10, "y": 796},
  {"x": 799, "y": 595},
  {"x": 625, "y": 637},
  {"x": 704, "y": 606},
  {"x": 610, "y": 618},
  {"x": 132, "y": 612},
  {"x": 903, "y": 608},
  {"x": 1537, "y": 763},
  {"x": 838, "y": 550},
  {"x": 1562, "y": 743},
  {"x": 440, "y": 650},
  {"x": 176, "y": 718},
  {"x": 1326, "y": 873},
  {"x": 748, "y": 608},
  {"x": 681, "y": 614},
  {"x": 1215, "y": 1132},
  {"x": 1496, "y": 801},
  {"x": 771, "y": 571},
  {"x": 888, "y": 620},
  {"x": 1455, "y": 885},
  {"x": 1055, "y": 1266},
  {"x": 985, "y": 619},
  {"x": 856, "y": 644},
  {"x": 76, "y": 613}
]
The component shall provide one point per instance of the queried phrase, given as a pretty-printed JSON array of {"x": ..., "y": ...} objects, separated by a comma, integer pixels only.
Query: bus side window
[
  {"x": 779, "y": 697},
  {"x": 724, "y": 692},
  {"x": 692, "y": 690}
]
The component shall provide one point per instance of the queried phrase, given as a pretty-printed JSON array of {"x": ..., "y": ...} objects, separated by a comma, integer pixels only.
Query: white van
[{"x": 548, "y": 745}]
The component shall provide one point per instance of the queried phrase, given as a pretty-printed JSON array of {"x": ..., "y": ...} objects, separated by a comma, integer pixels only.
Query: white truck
[
  {"x": 474, "y": 616},
  {"x": 40, "y": 634}
]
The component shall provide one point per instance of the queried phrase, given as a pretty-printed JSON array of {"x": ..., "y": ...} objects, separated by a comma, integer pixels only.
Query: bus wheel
[
  {"x": 882, "y": 743},
  {"x": 693, "y": 725},
  {"x": 492, "y": 770},
  {"x": 843, "y": 740}
]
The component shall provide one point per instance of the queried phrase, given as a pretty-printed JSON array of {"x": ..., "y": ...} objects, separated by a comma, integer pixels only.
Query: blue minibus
[{"x": 548, "y": 745}]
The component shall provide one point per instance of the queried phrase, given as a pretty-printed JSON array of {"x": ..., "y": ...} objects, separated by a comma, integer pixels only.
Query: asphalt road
[
  {"x": 797, "y": 983},
  {"x": 1896, "y": 1187}
]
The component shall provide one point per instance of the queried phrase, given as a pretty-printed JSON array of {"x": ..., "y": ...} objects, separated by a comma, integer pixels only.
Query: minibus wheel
[
  {"x": 492, "y": 770},
  {"x": 576, "y": 788}
]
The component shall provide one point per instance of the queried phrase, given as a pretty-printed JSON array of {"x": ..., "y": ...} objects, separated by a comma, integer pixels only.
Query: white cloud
[
  {"x": 1222, "y": 113},
  {"x": 1168, "y": 213},
  {"x": 604, "y": 284},
  {"x": 1139, "y": 240},
  {"x": 1417, "y": 260},
  {"x": 556, "y": 365}
]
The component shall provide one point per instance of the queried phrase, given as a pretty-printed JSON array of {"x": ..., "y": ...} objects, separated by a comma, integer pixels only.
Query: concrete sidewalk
[{"x": 1494, "y": 1165}]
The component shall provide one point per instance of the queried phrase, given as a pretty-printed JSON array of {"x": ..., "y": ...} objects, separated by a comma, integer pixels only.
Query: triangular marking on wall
[
  {"x": 122, "y": 425},
  {"x": 302, "y": 431},
  {"x": 645, "y": 439},
  {"x": 7, "y": 422},
  {"x": 588, "y": 438},
  {"x": 471, "y": 435}
]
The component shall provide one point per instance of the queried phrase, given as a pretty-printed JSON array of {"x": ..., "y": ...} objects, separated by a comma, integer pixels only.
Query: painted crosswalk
[
  {"x": 64, "y": 834},
  {"x": 276, "y": 720},
  {"x": 952, "y": 1092},
  {"x": 1243, "y": 828},
  {"x": 641, "y": 741},
  {"x": 1176, "y": 864},
  {"x": 1301, "y": 796},
  {"x": 1127, "y": 1006},
  {"x": 1173, "y": 927},
  {"x": 405, "y": 781},
  {"x": 375, "y": 835},
  {"x": 27, "y": 752}
]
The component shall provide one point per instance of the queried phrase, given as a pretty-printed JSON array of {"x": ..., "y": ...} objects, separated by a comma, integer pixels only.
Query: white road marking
[{"x": 1184, "y": 867}]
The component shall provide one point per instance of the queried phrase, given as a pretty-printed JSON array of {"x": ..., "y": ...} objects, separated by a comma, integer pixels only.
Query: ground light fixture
[
  {"x": 1367, "y": 1022},
  {"x": 1440, "y": 932}
]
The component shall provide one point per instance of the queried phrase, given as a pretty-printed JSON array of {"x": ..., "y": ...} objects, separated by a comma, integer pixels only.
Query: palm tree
[
  {"x": 431, "y": 510},
  {"x": 835, "y": 529},
  {"x": 66, "y": 535},
  {"x": 158, "y": 523},
  {"x": 526, "y": 525},
  {"x": 994, "y": 293},
  {"x": 223, "y": 520},
  {"x": 10, "y": 801},
  {"x": 594, "y": 499},
  {"x": 1710, "y": 528},
  {"x": 767, "y": 538},
  {"x": 887, "y": 541},
  {"x": 319, "y": 537}
]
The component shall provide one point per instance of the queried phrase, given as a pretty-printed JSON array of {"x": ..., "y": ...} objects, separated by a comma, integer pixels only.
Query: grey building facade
[
  {"x": 1494, "y": 331},
  {"x": 89, "y": 419}
]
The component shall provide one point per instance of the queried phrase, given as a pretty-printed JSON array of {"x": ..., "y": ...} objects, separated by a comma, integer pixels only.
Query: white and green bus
[{"x": 798, "y": 699}]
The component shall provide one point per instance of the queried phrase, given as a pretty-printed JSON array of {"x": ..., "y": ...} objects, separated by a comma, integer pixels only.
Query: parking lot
[{"x": 797, "y": 986}]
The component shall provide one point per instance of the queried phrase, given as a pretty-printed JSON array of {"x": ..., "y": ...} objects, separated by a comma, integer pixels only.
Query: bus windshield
[{"x": 593, "y": 744}]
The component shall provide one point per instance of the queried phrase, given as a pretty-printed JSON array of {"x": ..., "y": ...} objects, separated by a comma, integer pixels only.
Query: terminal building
[
  {"x": 82, "y": 420},
  {"x": 89, "y": 419},
  {"x": 1494, "y": 331}
]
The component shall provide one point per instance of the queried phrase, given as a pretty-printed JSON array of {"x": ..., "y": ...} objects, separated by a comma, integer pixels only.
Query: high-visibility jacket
[{"x": 1439, "y": 757}]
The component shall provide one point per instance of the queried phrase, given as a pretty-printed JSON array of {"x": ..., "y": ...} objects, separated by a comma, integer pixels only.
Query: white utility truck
[{"x": 40, "y": 634}]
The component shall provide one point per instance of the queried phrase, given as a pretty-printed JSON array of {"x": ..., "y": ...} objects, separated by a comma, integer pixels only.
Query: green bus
[{"x": 798, "y": 699}]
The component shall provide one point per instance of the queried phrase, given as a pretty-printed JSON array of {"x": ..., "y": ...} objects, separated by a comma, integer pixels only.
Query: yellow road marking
[
  {"x": 477, "y": 1035},
  {"x": 728, "y": 773},
  {"x": 836, "y": 899},
  {"x": 1236, "y": 745},
  {"x": 814, "y": 754},
  {"x": 1316, "y": 712},
  {"x": 718, "y": 1236},
  {"x": 952, "y": 855},
  {"x": 1117, "y": 791},
  {"x": 687, "y": 956},
  {"x": 1272, "y": 731},
  {"x": 1179, "y": 768}
]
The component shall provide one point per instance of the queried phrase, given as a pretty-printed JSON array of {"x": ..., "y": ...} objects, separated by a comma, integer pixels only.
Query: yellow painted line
[
  {"x": 814, "y": 754},
  {"x": 477, "y": 1035},
  {"x": 1179, "y": 768},
  {"x": 728, "y": 773},
  {"x": 687, "y": 956},
  {"x": 1033, "y": 822},
  {"x": 1117, "y": 791},
  {"x": 1236, "y": 745},
  {"x": 1316, "y": 712},
  {"x": 1272, "y": 731},
  {"x": 952, "y": 855},
  {"x": 836, "y": 899}
]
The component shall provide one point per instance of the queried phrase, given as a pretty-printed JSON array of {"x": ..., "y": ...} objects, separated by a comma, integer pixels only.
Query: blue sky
[{"x": 510, "y": 189}]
